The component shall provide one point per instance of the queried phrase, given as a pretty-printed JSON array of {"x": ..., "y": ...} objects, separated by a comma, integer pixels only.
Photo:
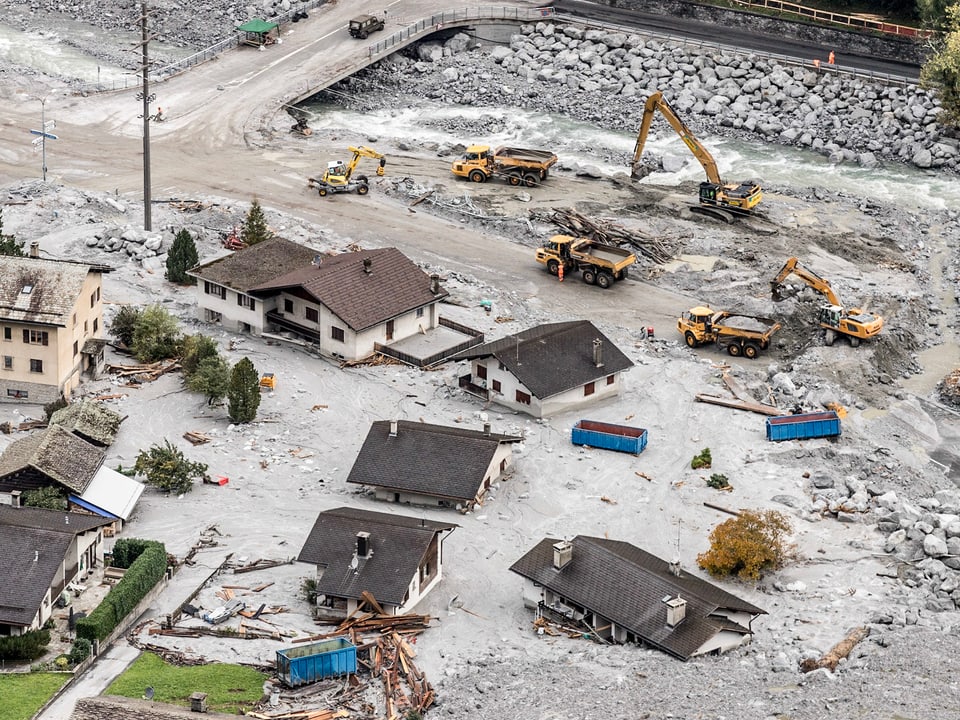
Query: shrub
[
  {"x": 80, "y": 651},
  {"x": 309, "y": 589},
  {"x": 51, "y": 407},
  {"x": 196, "y": 349},
  {"x": 124, "y": 323},
  {"x": 703, "y": 460},
  {"x": 29, "y": 646},
  {"x": 166, "y": 468},
  {"x": 156, "y": 335},
  {"x": 212, "y": 379},
  {"x": 244, "y": 392},
  {"x": 747, "y": 545},
  {"x": 48, "y": 497},
  {"x": 718, "y": 482},
  {"x": 182, "y": 257}
]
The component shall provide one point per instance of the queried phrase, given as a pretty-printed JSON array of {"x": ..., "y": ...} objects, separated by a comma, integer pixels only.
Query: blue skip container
[
  {"x": 609, "y": 436},
  {"x": 804, "y": 426}
]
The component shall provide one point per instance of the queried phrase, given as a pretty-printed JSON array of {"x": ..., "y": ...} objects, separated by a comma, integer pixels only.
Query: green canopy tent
[{"x": 258, "y": 32}]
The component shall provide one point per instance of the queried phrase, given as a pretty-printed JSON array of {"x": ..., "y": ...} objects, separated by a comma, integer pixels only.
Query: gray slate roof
[
  {"x": 260, "y": 263},
  {"x": 393, "y": 286},
  {"x": 110, "y": 707},
  {"x": 550, "y": 359},
  {"x": 55, "y": 287},
  {"x": 399, "y": 544},
  {"x": 627, "y": 585},
  {"x": 89, "y": 420},
  {"x": 58, "y": 454},
  {"x": 25, "y": 534},
  {"x": 437, "y": 460}
]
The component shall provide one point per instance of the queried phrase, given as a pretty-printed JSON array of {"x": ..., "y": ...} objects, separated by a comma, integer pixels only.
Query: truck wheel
[
  {"x": 544, "y": 174},
  {"x": 690, "y": 339},
  {"x": 514, "y": 179},
  {"x": 553, "y": 267},
  {"x": 363, "y": 189},
  {"x": 531, "y": 180},
  {"x": 363, "y": 34},
  {"x": 751, "y": 351},
  {"x": 477, "y": 176},
  {"x": 734, "y": 349},
  {"x": 589, "y": 277},
  {"x": 829, "y": 336},
  {"x": 854, "y": 341},
  {"x": 322, "y": 192},
  {"x": 605, "y": 280},
  {"x": 623, "y": 274}
]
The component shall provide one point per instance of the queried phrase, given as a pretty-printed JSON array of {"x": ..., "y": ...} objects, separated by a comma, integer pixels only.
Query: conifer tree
[
  {"x": 182, "y": 257},
  {"x": 255, "y": 228},
  {"x": 243, "y": 395}
]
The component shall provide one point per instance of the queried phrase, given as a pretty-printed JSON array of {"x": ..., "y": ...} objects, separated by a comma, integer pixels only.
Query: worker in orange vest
[{"x": 831, "y": 58}]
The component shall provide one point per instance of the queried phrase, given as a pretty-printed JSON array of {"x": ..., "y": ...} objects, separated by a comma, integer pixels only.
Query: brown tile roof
[
  {"x": 54, "y": 289},
  {"x": 398, "y": 542},
  {"x": 362, "y": 293},
  {"x": 255, "y": 265},
  {"x": 627, "y": 585},
  {"x": 436, "y": 460},
  {"x": 58, "y": 454},
  {"x": 550, "y": 359},
  {"x": 111, "y": 707},
  {"x": 89, "y": 420}
]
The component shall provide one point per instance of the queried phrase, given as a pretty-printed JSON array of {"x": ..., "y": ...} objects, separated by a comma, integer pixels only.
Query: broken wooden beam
[
  {"x": 838, "y": 652},
  {"x": 738, "y": 404}
]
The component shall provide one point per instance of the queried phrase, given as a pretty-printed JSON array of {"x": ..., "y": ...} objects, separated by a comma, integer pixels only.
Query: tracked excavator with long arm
[
  {"x": 738, "y": 198},
  {"x": 855, "y": 323}
]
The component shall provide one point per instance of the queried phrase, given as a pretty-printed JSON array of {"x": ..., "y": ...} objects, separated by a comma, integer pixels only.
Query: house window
[
  {"x": 501, "y": 366},
  {"x": 336, "y": 333},
  {"x": 213, "y": 289},
  {"x": 389, "y": 330},
  {"x": 76, "y": 348},
  {"x": 18, "y": 394},
  {"x": 96, "y": 324},
  {"x": 246, "y": 301},
  {"x": 419, "y": 312},
  {"x": 93, "y": 299},
  {"x": 496, "y": 386},
  {"x": 482, "y": 372},
  {"x": 36, "y": 366},
  {"x": 36, "y": 337},
  {"x": 74, "y": 319},
  {"x": 98, "y": 293},
  {"x": 86, "y": 326},
  {"x": 7, "y": 362},
  {"x": 312, "y": 314},
  {"x": 523, "y": 398},
  {"x": 8, "y": 333},
  {"x": 610, "y": 379},
  {"x": 589, "y": 389},
  {"x": 287, "y": 305}
]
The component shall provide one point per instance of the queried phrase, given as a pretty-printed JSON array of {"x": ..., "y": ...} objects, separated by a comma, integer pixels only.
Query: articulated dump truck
[
  {"x": 745, "y": 335},
  {"x": 515, "y": 165},
  {"x": 598, "y": 264}
]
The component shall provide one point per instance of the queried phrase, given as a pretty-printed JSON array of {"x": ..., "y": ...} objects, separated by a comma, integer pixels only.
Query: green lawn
[
  {"x": 22, "y": 694},
  {"x": 229, "y": 688}
]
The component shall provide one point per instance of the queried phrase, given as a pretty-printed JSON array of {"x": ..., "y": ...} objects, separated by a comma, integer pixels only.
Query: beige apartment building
[{"x": 51, "y": 327}]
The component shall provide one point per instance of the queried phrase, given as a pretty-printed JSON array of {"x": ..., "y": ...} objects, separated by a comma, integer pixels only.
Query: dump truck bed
[
  {"x": 523, "y": 156},
  {"x": 609, "y": 256},
  {"x": 734, "y": 324}
]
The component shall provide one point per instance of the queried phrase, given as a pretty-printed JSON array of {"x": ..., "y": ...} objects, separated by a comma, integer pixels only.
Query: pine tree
[
  {"x": 255, "y": 228},
  {"x": 243, "y": 395},
  {"x": 182, "y": 257}
]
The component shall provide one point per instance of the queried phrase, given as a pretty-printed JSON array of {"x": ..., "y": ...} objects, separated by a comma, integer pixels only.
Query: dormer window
[{"x": 27, "y": 289}]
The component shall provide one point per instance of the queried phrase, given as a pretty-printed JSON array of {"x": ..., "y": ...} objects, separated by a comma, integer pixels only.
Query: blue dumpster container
[
  {"x": 609, "y": 436},
  {"x": 803, "y": 426}
]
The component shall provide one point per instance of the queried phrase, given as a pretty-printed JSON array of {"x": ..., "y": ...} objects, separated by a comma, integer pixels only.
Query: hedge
[
  {"x": 127, "y": 550},
  {"x": 29, "y": 646},
  {"x": 143, "y": 574}
]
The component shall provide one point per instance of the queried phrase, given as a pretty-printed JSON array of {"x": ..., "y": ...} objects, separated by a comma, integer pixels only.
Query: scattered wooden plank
[
  {"x": 722, "y": 509},
  {"x": 196, "y": 437},
  {"x": 738, "y": 404}
]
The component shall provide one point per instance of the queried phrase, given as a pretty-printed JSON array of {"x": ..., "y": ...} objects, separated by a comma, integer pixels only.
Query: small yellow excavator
[
  {"x": 339, "y": 177},
  {"x": 739, "y": 198},
  {"x": 855, "y": 323}
]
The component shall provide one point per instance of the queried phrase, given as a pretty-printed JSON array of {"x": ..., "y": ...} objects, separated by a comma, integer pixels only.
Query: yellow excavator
[
  {"x": 738, "y": 197},
  {"x": 855, "y": 323},
  {"x": 339, "y": 178}
]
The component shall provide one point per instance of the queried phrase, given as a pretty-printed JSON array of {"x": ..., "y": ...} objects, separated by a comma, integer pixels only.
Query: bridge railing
[{"x": 853, "y": 21}]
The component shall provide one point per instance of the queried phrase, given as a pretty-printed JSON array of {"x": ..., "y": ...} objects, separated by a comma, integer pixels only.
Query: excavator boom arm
[
  {"x": 657, "y": 102},
  {"x": 793, "y": 267},
  {"x": 362, "y": 152}
]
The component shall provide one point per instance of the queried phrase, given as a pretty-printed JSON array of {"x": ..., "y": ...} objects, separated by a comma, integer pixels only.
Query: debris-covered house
[
  {"x": 424, "y": 464},
  {"x": 112, "y": 707},
  {"x": 347, "y": 304},
  {"x": 394, "y": 559},
  {"x": 625, "y": 594},
  {"x": 546, "y": 369},
  {"x": 43, "y": 552},
  {"x": 57, "y": 458},
  {"x": 51, "y": 327},
  {"x": 223, "y": 284},
  {"x": 90, "y": 420}
]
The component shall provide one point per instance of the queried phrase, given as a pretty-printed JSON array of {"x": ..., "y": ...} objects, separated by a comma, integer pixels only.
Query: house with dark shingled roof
[
  {"x": 439, "y": 465},
  {"x": 546, "y": 369},
  {"x": 43, "y": 551},
  {"x": 624, "y": 594},
  {"x": 395, "y": 558}
]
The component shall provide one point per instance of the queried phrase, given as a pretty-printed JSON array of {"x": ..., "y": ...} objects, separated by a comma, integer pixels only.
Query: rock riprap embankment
[{"x": 603, "y": 77}]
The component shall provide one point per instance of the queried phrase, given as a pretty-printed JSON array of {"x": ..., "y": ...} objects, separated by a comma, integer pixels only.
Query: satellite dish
[{"x": 148, "y": 693}]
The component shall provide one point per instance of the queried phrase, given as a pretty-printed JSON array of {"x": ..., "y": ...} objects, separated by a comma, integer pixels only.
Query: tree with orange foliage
[{"x": 747, "y": 545}]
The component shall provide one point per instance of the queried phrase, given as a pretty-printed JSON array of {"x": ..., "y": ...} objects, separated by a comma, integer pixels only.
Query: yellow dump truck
[
  {"x": 746, "y": 335},
  {"x": 597, "y": 263},
  {"x": 479, "y": 163}
]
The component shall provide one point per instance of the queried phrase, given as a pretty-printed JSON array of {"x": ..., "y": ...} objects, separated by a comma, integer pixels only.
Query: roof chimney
[
  {"x": 367, "y": 265},
  {"x": 435, "y": 284},
  {"x": 34, "y": 249},
  {"x": 598, "y": 352},
  {"x": 15, "y": 498},
  {"x": 393, "y": 428},
  {"x": 486, "y": 429},
  {"x": 562, "y": 554},
  {"x": 363, "y": 545},
  {"x": 676, "y": 611}
]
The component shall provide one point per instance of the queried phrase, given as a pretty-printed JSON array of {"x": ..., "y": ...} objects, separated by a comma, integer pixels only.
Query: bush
[
  {"x": 80, "y": 651},
  {"x": 182, "y": 257},
  {"x": 51, "y": 407},
  {"x": 156, "y": 335},
  {"x": 309, "y": 589},
  {"x": 124, "y": 323},
  {"x": 747, "y": 545},
  {"x": 196, "y": 349},
  {"x": 48, "y": 497},
  {"x": 29, "y": 646},
  {"x": 718, "y": 482},
  {"x": 244, "y": 392},
  {"x": 127, "y": 550},
  {"x": 166, "y": 468},
  {"x": 212, "y": 379},
  {"x": 703, "y": 460}
]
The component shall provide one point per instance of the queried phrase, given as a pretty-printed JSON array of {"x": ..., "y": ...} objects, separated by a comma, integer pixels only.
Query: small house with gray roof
[
  {"x": 89, "y": 420},
  {"x": 546, "y": 369},
  {"x": 224, "y": 283},
  {"x": 358, "y": 553},
  {"x": 43, "y": 552},
  {"x": 423, "y": 464},
  {"x": 51, "y": 327},
  {"x": 626, "y": 595}
]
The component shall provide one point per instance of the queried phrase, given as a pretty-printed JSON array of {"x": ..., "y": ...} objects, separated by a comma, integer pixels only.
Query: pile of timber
[
  {"x": 260, "y": 564},
  {"x": 392, "y": 660},
  {"x": 570, "y": 222},
  {"x": 196, "y": 437},
  {"x": 302, "y": 715},
  {"x": 144, "y": 372},
  {"x": 373, "y": 622}
]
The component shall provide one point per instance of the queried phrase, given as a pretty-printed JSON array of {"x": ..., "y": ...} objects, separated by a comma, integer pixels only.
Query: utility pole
[
  {"x": 147, "y": 98},
  {"x": 43, "y": 139}
]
